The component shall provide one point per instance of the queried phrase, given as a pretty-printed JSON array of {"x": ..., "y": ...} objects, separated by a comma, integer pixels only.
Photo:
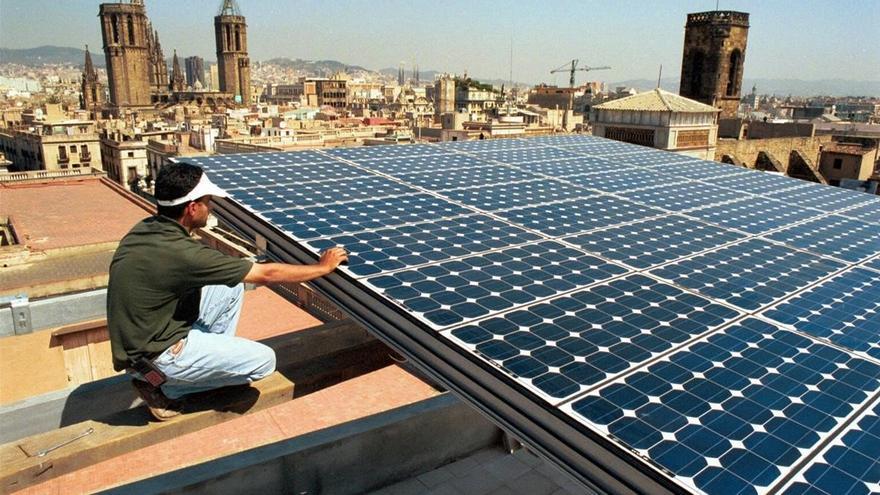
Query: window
[
  {"x": 838, "y": 163},
  {"x": 62, "y": 153},
  {"x": 131, "y": 154},
  {"x": 732, "y": 72},
  {"x": 130, "y": 30},
  {"x": 114, "y": 23},
  {"x": 84, "y": 150},
  {"x": 72, "y": 149}
]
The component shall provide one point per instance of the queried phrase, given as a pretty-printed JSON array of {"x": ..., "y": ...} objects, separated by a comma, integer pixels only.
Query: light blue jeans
[{"x": 212, "y": 356}]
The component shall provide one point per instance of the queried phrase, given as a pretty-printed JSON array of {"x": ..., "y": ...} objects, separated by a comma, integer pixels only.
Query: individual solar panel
[
  {"x": 825, "y": 198},
  {"x": 526, "y": 154},
  {"x": 495, "y": 144},
  {"x": 652, "y": 159},
  {"x": 874, "y": 263},
  {"x": 622, "y": 180},
  {"x": 563, "y": 140},
  {"x": 758, "y": 183},
  {"x": 736, "y": 411},
  {"x": 314, "y": 193},
  {"x": 458, "y": 291},
  {"x": 869, "y": 212},
  {"x": 246, "y": 178},
  {"x": 578, "y": 215},
  {"x": 603, "y": 148},
  {"x": 572, "y": 166},
  {"x": 844, "y": 309},
  {"x": 755, "y": 215},
  {"x": 682, "y": 196},
  {"x": 384, "y": 250},
  {"x": 750, "y": 274},
  {"x": 844, "y": 238},
  {"x": 335, "y": 219},
  {"x": 425, "y": 163},
  {"x": 466, "y": 177},
  {"x": 849, "y": 464},
  {"x": 699, "y": 169},
  {"x": 563, "y": 346},
  {"x": 497, "y": 197},
  {"x": 654, "y": 241},
  {"x": 257, "y": 160},
  {"x": 373, "y": 152}
]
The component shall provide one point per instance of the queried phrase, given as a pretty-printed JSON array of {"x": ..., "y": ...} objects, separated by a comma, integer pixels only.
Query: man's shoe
[{"x": 162, "y": 408}]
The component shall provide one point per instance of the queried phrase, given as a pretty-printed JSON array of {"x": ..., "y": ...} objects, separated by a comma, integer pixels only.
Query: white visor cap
[{"x": 203, "y": 188}]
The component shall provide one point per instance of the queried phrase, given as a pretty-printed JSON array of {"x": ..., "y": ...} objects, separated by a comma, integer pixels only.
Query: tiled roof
[{"x": 657, "y": 100}]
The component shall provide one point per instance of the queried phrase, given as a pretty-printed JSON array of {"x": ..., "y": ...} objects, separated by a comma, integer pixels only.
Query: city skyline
[{"x": 840, "y": 40}]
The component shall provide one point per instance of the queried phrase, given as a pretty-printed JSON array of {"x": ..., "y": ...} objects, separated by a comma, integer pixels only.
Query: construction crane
[{"x": 574, "y": 67}]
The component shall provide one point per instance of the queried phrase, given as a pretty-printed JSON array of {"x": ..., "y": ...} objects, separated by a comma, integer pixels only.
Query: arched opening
[
  {"x": 696, "y": 75},
  {"x": 237, "y": 40},
  {"x": 114, "y": 24},
  {"x": 130, "y": 30},
  {"x": 733, "y": 72},
  {"x": 228, "y": 37}
]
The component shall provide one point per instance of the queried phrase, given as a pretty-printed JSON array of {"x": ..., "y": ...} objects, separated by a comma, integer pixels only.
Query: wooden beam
[{"x": 308, "y": 360}]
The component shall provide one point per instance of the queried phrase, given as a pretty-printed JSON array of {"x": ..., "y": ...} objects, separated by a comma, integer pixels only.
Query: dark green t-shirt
[{"x": 154, "y": 291}]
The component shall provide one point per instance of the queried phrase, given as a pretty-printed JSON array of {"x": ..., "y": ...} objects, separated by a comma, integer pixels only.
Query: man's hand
[{"x": 333, "y": 257}]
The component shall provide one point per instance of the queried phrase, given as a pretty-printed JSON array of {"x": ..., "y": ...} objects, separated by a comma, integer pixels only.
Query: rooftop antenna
[
  {"x": 659, "y": 76},
  {"x": 510, "y": 80},
  {"x": 716, "y": 5}
]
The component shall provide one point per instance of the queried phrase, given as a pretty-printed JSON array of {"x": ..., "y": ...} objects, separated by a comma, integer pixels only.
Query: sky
[{"x": 788, "y": 39}]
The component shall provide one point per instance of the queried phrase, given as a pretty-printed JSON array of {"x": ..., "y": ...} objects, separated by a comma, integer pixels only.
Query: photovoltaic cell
[
  {"x": 844, "y": 238},
  {"x": 563, "y": 346},
  {"x": 749, "y": 274},
  {"x": 475, "y": 176},
  {"x": 850, "y": 464},
  {"x": 498, "y": 197},
  {"x": 652, "y": 242},
  {"x": 335, "y": 219},
  {"x": 651, "y": 159},
  {"x": 874, "y": 263},
  {"x": 735, "y": 411},
  {"x": 578, "y": 215},
  {"x": 458, "y": 291},
  {"x": 682, "y": 196},
  {"x": 755, "y": 215},
  {"x": 844, "y": 309},
  {"x": 384, "y": 250}
]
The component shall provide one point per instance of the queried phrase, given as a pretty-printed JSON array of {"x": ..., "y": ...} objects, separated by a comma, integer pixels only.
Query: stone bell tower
[{"x": 712, "y": 62}]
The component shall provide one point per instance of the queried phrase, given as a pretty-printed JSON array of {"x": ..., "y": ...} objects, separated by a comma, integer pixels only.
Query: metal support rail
[{"x": 595, "y": 461}]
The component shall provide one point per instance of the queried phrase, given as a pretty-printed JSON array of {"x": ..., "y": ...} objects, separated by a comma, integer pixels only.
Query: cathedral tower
[
  {"x": 92, "y": 91},
  {"x": 712, "y": 62},
  {"x": 233, "y": 64},
  {"x": 124, "y": 31}
]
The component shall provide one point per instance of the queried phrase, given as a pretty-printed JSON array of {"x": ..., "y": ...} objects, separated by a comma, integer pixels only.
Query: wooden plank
[
  {"x": 76, "y": 358},
  {"x": 129, "y": 430}
]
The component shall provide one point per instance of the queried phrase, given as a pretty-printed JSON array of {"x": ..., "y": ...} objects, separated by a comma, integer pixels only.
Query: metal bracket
[{"x": 21, "y": 314}]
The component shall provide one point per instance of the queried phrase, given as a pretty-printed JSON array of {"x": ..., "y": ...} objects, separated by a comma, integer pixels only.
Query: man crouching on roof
[{"x": 173, "y": 303}]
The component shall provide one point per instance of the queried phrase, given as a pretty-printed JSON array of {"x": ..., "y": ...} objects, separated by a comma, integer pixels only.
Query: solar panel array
[{"x": 722, "y": 324}]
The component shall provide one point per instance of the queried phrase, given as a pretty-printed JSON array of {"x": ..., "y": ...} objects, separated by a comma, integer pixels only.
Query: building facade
[
  {"x": 124, "y": 29},
  {"x": 53, "y": 146},
  {"x": 713, "y": 58},
  {"x": 659, "y": 119}
]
